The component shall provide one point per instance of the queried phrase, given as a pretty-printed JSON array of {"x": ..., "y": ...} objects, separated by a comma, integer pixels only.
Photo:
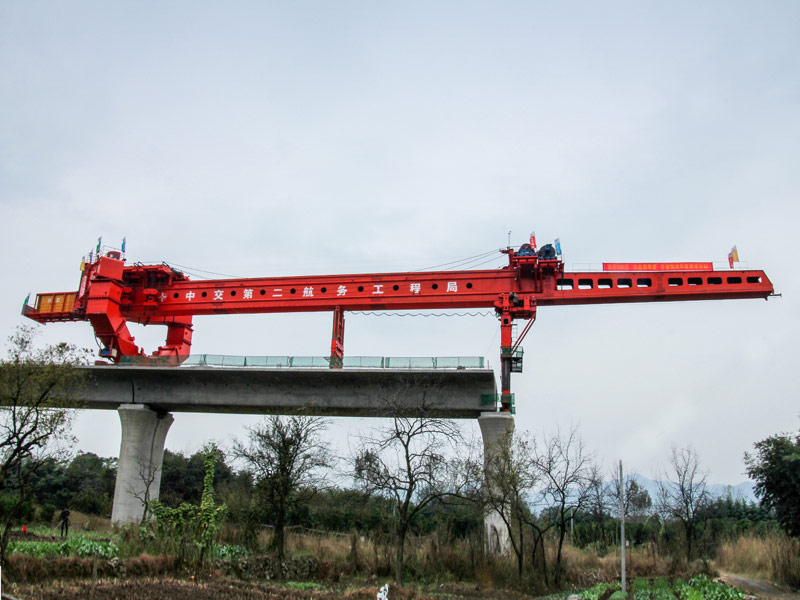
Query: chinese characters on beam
[{"x": 308, "y": 291}]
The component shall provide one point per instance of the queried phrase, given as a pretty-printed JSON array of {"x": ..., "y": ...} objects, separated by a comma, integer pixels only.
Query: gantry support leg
[
  {"x": 337, "y": 339},
  {"x": 494, "y": 427},
  {"x": 141, "y": 455},
  {"x": 506, "y": 354}
]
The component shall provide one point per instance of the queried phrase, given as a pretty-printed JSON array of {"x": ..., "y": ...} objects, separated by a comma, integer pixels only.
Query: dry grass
[
  {"x": 20, "y": 568},
  {"x": 786, "y": 561},
  {"x": 441, "y": 559},
  {"x": 746, "y": 555},
  {"x": 774, "y": 557},
  {"x": 584, "y": 567}
]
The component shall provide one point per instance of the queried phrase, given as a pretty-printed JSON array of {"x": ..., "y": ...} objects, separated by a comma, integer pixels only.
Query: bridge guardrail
[{"x": 313, "y": 362}]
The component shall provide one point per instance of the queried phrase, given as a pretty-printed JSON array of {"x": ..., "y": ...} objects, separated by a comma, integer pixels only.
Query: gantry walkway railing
[{"x": 315, "y": 362}]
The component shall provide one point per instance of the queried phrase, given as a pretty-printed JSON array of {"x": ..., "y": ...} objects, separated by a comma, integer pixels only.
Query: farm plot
[{"x": 699, "y": 587}]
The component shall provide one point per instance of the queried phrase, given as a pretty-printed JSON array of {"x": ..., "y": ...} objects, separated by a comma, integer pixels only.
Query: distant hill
[{"x": 743, "y": 490}]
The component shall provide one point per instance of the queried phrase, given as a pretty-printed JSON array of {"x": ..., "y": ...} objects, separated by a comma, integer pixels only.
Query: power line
[
  {"x": 448, "y": 266},
  {"x": 457, "y": 263},
  {"x": 407, "y": 314}
]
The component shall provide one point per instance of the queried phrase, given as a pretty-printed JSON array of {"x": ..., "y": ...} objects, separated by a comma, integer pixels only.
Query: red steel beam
[{"x": 439, "y": 290}]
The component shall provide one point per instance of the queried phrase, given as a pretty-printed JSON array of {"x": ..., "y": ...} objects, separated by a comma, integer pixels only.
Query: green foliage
[
  {"x": 641, "y": 589},
  {"x": 182, "y": 477},
  {"x": 597, "y": 590},
  {"x": 713, "y": 590},
  {"x": 775, "y": 467},
  {"x": 77, "y": 546},
  {"x": 16, "y": 507},
  {"x": 661, "y": 590},
  {"x": 189, "y": 531},
  {"x": 232, "y": 551},
  {"x": 663, "y": 594},
  {"x": 85, "y": 547},
  {"x": 304, "y": 586},
  {"x": 36, "y": 386},
  {"x": 698, "y": 588},
  {"x": 35, "y": 549},
  {"x": 47, "y": 512},
  {"x": 660, "y": 584},
  {"x": 701, "y": 587},
  {"x": 86, "y": 483}
]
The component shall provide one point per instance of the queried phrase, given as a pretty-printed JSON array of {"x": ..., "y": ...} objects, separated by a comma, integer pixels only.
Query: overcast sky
[{"x": 264, "y": 138}]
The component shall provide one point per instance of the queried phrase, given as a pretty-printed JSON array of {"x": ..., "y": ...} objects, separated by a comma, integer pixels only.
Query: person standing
[{"x": 64, "y": 522}]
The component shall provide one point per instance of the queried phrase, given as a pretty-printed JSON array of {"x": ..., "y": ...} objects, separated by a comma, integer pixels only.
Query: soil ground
[
  {"x": 228, "y": 589},
  {"x": 759, "y": 588}
]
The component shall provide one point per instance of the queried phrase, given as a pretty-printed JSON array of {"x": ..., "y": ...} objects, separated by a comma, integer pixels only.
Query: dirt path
[{"x": 759, "y": 588}]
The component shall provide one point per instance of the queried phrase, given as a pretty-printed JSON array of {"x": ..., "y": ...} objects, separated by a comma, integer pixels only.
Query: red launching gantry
[{"x": 112, "y": 293}]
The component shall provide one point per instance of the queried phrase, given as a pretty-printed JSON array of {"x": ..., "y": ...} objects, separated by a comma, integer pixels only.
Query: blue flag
[
  {"x": 558, "y": 246},
  {"x": 123, "y": 245}
]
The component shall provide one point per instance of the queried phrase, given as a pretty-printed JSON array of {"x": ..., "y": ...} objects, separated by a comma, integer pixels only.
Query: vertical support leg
[
  {"x": 141, "y": 455},
  {"x": 337, "y": 339},
  {"x": 494, "y": 426},
  {"x": 179, "y": 339},
  {"x": 110, "y": 327},
  {"x": 506, "y": 354}
]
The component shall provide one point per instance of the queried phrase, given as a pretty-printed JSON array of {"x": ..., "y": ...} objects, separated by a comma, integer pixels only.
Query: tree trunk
[
  {"x": 399, "y": 564},
  {"x": 4, "y": 542},
  {"x": 280, "y": 539},
  {"x": 544, "y": 562},
  {"x": 520, "y": 552},
  {"x": 561, "y": 536},
  {"x": 689, "y": 528}
]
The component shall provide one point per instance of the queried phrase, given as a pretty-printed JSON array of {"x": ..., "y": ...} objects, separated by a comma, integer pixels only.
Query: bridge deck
[{"x": 347, "y": 392}]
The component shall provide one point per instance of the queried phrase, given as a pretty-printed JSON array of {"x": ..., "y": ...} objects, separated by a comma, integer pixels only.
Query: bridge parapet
[{"x": 311, "y": 362}]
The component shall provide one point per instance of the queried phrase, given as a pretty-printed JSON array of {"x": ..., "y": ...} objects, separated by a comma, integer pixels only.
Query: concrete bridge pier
[
  {"x": 141, "y": 455},
  {"x": 494, "y": 426}
]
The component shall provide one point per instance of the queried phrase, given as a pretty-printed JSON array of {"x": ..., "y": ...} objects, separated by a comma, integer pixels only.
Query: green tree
[
  {"x": 86, "y": 483},
  {"x": 775, "y": 467},
  {"x": 182, "y": 476},
  {"x": 90, "y": 479},
  {"x": 36, "y": 386}
]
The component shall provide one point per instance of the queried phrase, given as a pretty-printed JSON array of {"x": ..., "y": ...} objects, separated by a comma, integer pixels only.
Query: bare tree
[
  {"x": 286, "y": 454},
  {"x": 35, "y": 386},
  {"x": 567, "y": 472},
  {"x": 405, "y": 462},
  {"x": 598, "y": 506},
  {"x": 508, "y": 482},
  {"x": 637, "y": 499},
  {"x": 683, "y": 493},
  {"x": 140, "y": 488}
]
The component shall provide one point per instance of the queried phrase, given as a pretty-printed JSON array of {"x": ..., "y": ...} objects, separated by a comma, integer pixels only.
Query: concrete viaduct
[{"x": 146, "y": 397}]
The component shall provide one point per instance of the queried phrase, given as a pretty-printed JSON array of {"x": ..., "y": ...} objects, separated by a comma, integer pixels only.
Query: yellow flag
[{"x": 733, "y": 256}]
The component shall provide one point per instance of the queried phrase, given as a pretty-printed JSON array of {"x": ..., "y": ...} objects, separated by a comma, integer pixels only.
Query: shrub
[{"x": 47, "y": 513}]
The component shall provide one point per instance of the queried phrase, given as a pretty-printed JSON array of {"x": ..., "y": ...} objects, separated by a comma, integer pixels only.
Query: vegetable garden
[{"x": 699, "y": 587}]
